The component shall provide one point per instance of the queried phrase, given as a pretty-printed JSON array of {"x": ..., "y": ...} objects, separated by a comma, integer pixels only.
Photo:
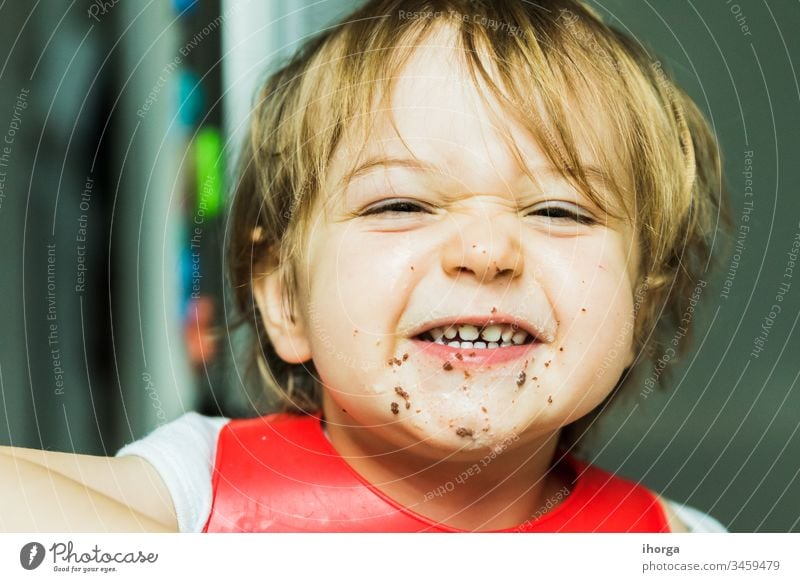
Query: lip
[
  {"x": 470, "y": 357},
  {"x": 482, "y": 321}
]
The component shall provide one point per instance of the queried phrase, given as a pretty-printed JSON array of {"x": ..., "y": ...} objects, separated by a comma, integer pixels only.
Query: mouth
[
  {"x": 467, "y": 336},
  {"x": 477, "y": 335}
]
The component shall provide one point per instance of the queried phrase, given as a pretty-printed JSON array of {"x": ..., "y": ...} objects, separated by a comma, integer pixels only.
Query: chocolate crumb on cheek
[
  {"x": 447, "y": 366},
  {"x": 466, "y": 374},
  {"x": 549, "y": 399},
  {"x": 547, "y": 364},
  {"x": 464, "y": 432},
  {"x": 560, "y": 349},
  {"x": 583, "y": 309},
  {"x": 521, "y": 379},
  {"x": 395, "y": 408},
  {"x": 494, "y": 309},
  {"x": 405, "y": 356},
  {"x": 483, "y": 409},
  {"x": 459, "y": 356}
]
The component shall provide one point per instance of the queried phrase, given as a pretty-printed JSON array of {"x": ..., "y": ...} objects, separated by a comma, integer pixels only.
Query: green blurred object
[{"x": 208, "y": 163}]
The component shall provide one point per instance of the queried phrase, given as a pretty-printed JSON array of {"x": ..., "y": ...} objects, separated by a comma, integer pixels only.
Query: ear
[{"x": 289, "y": 338}]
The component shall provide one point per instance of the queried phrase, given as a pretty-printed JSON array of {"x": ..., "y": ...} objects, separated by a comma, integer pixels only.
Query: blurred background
[{"x": 120, "y": 122}]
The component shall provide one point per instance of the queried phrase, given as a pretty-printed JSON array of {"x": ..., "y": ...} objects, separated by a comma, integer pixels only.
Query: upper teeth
[{"x": 496, "y": 335}]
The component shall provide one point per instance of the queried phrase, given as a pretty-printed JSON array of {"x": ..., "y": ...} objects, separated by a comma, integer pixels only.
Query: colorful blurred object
[{"x": 201, "y": 345}]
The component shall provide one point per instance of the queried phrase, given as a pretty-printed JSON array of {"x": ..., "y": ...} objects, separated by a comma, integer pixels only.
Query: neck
[{"x": 494, "y": 492}]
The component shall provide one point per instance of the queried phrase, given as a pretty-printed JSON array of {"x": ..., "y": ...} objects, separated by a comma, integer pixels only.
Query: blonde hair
[{"x": 554, "y": 67}]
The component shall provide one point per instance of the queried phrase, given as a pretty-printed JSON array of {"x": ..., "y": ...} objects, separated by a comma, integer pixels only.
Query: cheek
[
  {"x": 594, "y": 307},
  {"x": 357, "y": 287}
]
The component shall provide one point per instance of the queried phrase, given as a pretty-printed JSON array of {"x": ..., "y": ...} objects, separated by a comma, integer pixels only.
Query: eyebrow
[
  {"x": 592, "y": 172},
  {"x": 388, "y": 162}
]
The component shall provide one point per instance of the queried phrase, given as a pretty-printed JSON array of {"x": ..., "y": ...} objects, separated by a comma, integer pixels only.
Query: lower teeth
[{"x": 473, "y": 345}]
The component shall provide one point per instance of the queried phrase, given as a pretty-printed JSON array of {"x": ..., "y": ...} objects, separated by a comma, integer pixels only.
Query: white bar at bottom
[{"x": 401, "y": 557}]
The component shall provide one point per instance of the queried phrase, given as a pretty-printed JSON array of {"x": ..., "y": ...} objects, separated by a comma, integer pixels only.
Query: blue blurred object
[
  {"x": 191, "y": 98},
  {"x": 185, "y": 6}
]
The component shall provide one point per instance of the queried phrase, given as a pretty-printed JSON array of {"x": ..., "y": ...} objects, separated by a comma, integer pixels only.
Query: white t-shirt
[{"x": 183, "y": 452}]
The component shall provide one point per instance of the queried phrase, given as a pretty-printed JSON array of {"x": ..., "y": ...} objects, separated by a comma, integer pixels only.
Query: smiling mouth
[{"x": 496, "y": 335}]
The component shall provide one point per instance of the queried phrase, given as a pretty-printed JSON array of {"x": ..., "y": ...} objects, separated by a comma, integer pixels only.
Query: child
[{"x": 458, "y": 226}]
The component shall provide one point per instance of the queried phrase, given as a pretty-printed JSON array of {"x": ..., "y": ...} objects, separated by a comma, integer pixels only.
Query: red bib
[{"x": 280, "y": 473}]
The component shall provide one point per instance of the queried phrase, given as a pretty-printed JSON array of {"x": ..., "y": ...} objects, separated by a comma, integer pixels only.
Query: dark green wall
[{"x": 723, "y": 434}]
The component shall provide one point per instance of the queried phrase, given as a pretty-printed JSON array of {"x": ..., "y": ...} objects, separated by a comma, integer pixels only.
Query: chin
[{"x": 465, "y": 438}]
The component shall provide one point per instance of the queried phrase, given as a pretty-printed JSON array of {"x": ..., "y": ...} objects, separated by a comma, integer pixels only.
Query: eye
[
  {"x": 395, "y": 207},
  {"x": 563, "y": 213}
]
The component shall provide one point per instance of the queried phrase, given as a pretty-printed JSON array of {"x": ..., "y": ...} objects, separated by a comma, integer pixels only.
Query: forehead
[{"x": 436, "y": 109}]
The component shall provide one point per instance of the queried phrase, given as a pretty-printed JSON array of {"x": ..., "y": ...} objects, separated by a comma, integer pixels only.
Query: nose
[{"x": 486, "y": 247}]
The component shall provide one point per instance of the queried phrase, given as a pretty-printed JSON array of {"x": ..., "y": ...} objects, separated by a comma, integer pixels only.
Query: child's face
[{"x": 473, "y": 242}]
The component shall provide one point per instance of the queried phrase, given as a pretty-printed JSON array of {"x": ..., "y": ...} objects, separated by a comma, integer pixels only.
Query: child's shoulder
[
  {"x": 680, "y": 518},
  {"x": 182, "y": 452},
  {"x": 684, "y": 518}
]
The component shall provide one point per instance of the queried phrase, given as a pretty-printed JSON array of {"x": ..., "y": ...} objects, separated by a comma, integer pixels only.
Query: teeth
[
  {"x": 465, "y": 336},
  {"x": 519, "y": 337},
  {"x": 491, "y": 333},
  {"x": 468, "y": 332}
]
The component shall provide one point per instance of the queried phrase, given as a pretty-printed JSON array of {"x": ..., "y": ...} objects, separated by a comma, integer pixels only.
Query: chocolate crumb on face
[
  {"x": 560, "y": 349},
  {"x": 466, "y": 374},
  {"x": 464, "y": 432},
  {"x": 472, "y": 354},
  {"x": 583, "y": 309},
  {"x": 395, "y": 408},
  {"x": 549, "y": 399},
  {"x": 535, "y": 378},
  {"x": 447, "y": 366},
  {"x": 459, "y": 356},
  {"x": 547, "y": 364},
  {"x": 494, "y": 309},
  {"x": 483, "y": 409},
  {"x": 405, "y": 357},
  {"x": 418, "y": 410},
  {"x": 521, "y": 379},
  {"x": 404, "y": 395}
]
